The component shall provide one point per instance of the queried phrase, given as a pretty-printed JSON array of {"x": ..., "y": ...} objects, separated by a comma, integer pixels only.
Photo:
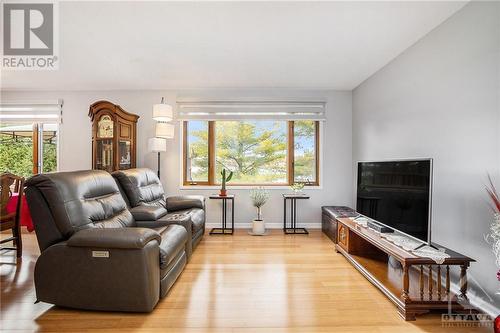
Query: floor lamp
[
  {"x": 162, "y": 113},
  {"x": 157, "y": 145}
]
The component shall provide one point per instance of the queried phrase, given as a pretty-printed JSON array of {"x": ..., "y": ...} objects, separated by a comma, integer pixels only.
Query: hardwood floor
[{"x": 240, "y": 283}]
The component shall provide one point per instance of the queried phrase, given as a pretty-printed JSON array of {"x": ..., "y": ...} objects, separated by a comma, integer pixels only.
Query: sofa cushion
[
  {"x": 173, "y": 241},
  {"x": 141, "y": 186},
  {"x": 82, "y": 199}
]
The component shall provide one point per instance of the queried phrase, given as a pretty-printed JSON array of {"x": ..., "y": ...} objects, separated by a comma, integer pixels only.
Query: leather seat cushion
[
  {"x": 173, "y": 241},
  {"x": 197, "y": 216}
]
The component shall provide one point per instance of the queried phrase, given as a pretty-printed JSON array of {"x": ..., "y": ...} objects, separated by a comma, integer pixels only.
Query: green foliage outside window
[
  {"x": 16, "y": 156},
  {"x": 198, "y": 151},
  {"x": 254, "y": 150},
  {"x": 49, "y": 156},
  {"x": 305, "y": 151}
]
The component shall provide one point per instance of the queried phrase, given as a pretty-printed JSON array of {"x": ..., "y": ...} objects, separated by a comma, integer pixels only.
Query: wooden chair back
[{"x": 9, "y": 184}]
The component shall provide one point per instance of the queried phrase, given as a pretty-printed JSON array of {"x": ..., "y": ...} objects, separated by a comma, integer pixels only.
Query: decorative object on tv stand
[
  {"x": 494, "y": 236},
  {"x": 224, "y": 180},
  {"x": 259, "y": 197},
  {"x": 157, "y": 145},
  {"x": 114, "y": 133}
]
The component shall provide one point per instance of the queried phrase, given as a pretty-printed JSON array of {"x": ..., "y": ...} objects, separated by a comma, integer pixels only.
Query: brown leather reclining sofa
[
  {"x": 147, "y": 202},
  {"x": 94, "y": 253}
]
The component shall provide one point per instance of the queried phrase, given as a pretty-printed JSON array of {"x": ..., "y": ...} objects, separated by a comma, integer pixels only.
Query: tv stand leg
[
  {"x": 411, "y": 315},
  {"x": 406, "y": 284},
  {"x": 463, "y": 283},
  {"x": 407, "y": 315}
]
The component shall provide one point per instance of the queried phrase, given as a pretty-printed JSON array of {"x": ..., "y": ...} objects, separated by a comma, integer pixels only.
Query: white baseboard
[{"x": 269, "y": 225}]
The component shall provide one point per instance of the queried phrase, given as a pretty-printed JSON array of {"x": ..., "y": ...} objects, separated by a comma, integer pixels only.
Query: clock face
[{"x": 105, "y": 127}]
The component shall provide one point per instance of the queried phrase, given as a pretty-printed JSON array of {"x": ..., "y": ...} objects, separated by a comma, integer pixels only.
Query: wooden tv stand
[{"x": 405, "y": 279}]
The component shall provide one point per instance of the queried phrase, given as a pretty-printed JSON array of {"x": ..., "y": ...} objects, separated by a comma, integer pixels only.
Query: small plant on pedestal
[{"x": 225, "y": 179}]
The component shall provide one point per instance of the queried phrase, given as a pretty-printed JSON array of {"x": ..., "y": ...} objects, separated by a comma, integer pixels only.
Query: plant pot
[
  {"x": 223, "y": 193},
  {"x": 258, "y": 227}
]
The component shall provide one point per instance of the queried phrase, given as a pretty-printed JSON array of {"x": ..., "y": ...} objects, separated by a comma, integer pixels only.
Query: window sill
[{"x": 245, "y": 187}]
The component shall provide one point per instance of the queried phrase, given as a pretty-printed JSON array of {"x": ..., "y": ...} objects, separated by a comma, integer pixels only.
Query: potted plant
[
  {"x": 297, "y": 187},
  {"x": 259, "y": 197},
  {"x": 225, "y": 179}
]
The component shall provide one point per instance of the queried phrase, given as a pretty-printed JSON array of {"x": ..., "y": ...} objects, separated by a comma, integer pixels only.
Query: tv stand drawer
[{"x": 343, "y": 236}]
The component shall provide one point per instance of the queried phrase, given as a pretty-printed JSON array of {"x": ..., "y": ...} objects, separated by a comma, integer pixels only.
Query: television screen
[{"x": 397, "y": 194}]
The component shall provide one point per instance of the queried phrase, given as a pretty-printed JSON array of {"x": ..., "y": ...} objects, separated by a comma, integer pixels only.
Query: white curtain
[
  {"x": 31, "y": 111},
  {"x": 250, "y": 110}
]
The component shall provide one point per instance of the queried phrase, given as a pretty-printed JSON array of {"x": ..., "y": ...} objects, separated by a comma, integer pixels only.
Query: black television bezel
[{"x": 431, "y": 183}]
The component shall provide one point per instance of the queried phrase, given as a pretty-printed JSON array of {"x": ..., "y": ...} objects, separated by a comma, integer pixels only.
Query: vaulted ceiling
[{"x": 180, "y": 45}]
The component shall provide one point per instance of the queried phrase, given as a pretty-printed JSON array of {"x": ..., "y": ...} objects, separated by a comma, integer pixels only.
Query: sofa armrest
[
  {"x": 116, "y": 238},
  {"x": 185, "y": 202},
  {"x": 148, "y": 213}
]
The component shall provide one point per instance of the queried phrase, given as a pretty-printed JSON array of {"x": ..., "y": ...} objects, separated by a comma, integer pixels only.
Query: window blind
[
  {"x": 49, "y": 111},
  {"x": 251, "y": 110}
]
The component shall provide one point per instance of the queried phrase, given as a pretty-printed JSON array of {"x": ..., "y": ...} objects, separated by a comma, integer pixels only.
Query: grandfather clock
[{"x": 114, "y": 134}]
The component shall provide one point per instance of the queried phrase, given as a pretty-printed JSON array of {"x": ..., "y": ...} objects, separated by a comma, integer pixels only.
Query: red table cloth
[{"x": 25, "y": 218}]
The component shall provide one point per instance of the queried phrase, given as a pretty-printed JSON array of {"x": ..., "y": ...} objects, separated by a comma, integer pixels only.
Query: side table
[
  {"x": 224, "y": 230},
  {"x": 293, "y": 212}
]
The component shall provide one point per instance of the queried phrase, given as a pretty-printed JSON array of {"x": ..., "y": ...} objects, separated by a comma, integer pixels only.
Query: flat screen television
[{"x": 397, "y": 194}]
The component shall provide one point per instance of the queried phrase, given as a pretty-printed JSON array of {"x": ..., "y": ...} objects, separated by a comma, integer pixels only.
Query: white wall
[
  {"x": 440, "y": 99},
  {"x": 75, "y": 147}
]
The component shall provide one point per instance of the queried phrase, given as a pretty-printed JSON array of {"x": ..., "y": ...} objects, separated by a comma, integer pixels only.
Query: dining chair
[{"x": 11, "y": 184}]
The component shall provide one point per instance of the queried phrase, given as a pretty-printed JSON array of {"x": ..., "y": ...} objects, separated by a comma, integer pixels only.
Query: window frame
[{"x": 211, "y": 160}]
